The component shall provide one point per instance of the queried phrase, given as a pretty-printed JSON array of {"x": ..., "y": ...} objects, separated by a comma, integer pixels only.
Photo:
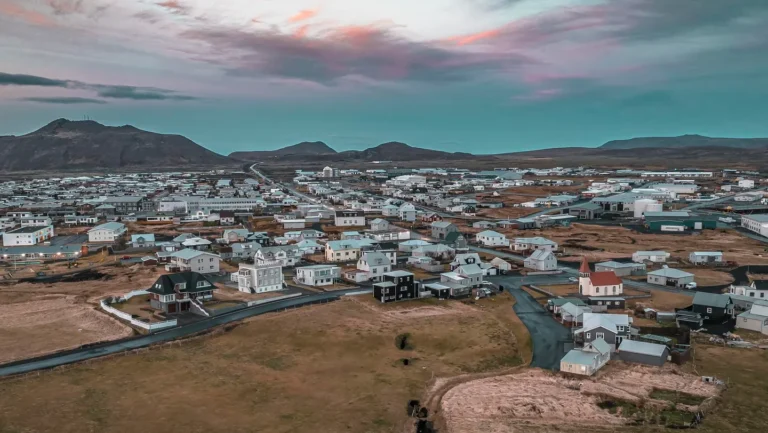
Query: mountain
[
  {"x": 305, "y": 148},
  {"x": 319, "y": 151},
  {"x": 64, "y": 144},
  {"x": 686, "y": 141}
]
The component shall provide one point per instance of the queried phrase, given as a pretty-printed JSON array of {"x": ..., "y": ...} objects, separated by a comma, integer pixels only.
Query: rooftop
[{"x": 642, "y": 347}]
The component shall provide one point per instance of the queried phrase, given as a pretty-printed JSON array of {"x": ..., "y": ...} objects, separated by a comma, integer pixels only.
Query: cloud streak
[
  {"x": 303, "y": 15},
  {"x": 103, "y": 90},
  {"x": 65, "y": 100},
  {"x": 30, "y": 16}
]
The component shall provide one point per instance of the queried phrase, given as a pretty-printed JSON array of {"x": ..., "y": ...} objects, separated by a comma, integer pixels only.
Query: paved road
[
  {"x": 109, "y": 348},
  {"x": 550, "y": 339}
]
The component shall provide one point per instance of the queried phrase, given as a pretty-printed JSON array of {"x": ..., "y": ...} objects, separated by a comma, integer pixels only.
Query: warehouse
[
  {"x": 674, "y": 221},
  {"x": 670, "y": 277},
  {"x": 585, "y": 211},
  {"x": 621, "y": 269},
  {"x": 643, "y": 353},
  {"x": 756, "y": 223}
]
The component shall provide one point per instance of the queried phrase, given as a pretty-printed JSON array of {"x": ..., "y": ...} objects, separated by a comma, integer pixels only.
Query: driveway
[{"x": 550, "y": 339}]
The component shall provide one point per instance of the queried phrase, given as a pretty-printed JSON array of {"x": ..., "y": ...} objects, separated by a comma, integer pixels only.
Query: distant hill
[
  {"x": 686, "y": 141},
  {"x": 319, "y": 151},
  {"x": 65, "y": 145},
  {"x": 305, "y": 148}
]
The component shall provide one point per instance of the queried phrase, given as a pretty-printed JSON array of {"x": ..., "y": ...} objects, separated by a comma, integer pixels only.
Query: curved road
[
  {"x": 550, "y": 339},
  {"x": 112, "y": 347}
]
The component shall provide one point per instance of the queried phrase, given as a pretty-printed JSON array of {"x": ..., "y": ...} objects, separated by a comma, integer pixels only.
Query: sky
[{"x": 480, "y": 76}]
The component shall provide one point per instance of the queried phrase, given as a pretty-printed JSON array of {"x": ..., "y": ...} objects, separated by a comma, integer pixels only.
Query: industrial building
[
  {"x": 756, "y": 223},
  {"x": 678, "y": 221}
]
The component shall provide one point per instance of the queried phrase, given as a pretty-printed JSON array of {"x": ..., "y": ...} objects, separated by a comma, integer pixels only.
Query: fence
[
  {"x": 278, "y": 298},
  {"x": 135, "y": 322}
]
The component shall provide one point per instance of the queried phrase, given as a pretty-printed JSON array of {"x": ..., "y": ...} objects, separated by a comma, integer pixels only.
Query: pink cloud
[
  {"x": 303, "y": 15},
  {"x": 14, "y": 10},
  {"x": 541, "y": 95}
]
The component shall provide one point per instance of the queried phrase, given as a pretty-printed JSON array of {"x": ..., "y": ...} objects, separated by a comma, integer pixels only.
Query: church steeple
[{"x": 584, "y": 271}]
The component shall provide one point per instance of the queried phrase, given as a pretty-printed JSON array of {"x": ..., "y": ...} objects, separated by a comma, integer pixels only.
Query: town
[{"x": 612, "y": 278}]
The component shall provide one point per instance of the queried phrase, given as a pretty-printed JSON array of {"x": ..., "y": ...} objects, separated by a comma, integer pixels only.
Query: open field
[
  {"x": 36, "y": 325},
  {"x": 538, "y": 400},
  {"x": 618, "y": 242},
  {"x": 330, "y": 368}
]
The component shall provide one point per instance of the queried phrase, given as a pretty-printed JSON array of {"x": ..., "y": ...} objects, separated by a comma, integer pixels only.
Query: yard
[
  {"x": 33, "y": 325},
  {"x": 330, "y": 368},
  {"x": 139, "y": 306}
]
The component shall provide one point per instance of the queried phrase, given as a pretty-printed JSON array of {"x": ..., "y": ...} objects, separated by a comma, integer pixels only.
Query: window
[
  {"x": 599, "y": 335},
  {"x": 709, "y": 310},
  {"x": 597, "y": 290},
  {"x": 589, "y": 335}
]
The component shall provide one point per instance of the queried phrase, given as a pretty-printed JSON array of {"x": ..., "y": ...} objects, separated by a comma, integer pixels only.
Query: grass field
[{"x": 329, "y": 368}]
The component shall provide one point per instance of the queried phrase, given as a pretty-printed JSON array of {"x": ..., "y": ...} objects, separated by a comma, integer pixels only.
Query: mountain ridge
[{"x": 85, "y": 144}]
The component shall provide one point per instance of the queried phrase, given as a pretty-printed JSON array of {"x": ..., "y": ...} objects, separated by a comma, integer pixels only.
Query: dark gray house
[
  {"x": 713, "y": 307},
  {"x": 441, "y": 229},
  {"x": 641, "y": 352},
  {"x": 175, "y": 293},
  {"x": 455, "y": 240},
  {"x": 396, "y": 286},
  {"x": 613, "y": 328},
  {"x": 585, "y": 211}
]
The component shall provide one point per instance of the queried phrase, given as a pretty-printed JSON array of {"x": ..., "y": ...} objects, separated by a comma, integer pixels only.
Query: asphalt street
[
  {"x": 109, "y": 348},
  {"x": 550, "y": 339}
]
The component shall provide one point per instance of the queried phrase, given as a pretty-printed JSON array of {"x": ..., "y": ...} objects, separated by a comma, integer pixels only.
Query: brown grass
[
  {"x": 330, "y": 368},
  {"x": 37, "y": 325}
]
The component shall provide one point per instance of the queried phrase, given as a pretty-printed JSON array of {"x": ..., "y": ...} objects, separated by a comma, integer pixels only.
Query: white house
[
  {"x": 107, "y": 232},
  {"x": 604, "y": 283},
  {"x": 35, "y": 221},
  {"x": 27, "y": 236},
  {"x": 318, "y": 275},
  {"x": 407, "y": 212},
  {"x": 587, "y": 360},
  {"x": 541, "y": 260},
  {"x": 349, "y": 218},
  {"x": 704, "y": 257},
  {"x": 758, "y": 289},
  {"x": 379, "y": 224},
  {"x": 756, "y": 319},
  {"x": 535, "y": 243},
  {"x": 194, "y": 261},
  {"x": 259, "y": 278},
  {"x": 375, "y": 264},
  {"x": 650, "y": 256},
  {"x": 490, "y": 238},
  {"x": 196, "y": 243},
  {"x": 390, "y": 210},
  {"x": 746, "y": 183},
  {"x": 287, "y": 255}
]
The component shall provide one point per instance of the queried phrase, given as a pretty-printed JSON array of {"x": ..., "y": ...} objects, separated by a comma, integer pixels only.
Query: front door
[{"x": 618, "y": 340}]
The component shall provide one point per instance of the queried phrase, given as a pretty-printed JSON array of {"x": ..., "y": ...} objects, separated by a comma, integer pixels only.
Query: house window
[
  {"x": 709, "y": 310},
  {"x": 597, "y": 290},
  {"x": 589, "y": 335},
  {"x": 600, "y": 335}
]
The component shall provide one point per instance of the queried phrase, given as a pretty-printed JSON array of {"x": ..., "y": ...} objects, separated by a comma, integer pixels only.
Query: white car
[{"x": 573, "y": 279}]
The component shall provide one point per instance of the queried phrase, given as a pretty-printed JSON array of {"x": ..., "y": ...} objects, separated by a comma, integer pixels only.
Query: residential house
[
  {"x": 379, "y": 224},
  {"x": 35, "y": 221},
  {"x": 227, "y": 217},
  {"x": 465, "y": 259},
  {"x": 27, "y": 236},
  {"x": 107, "y": 232},
  {"x": 438, "y": 251},
  {"x": 669, "y": 277},
  {"x": 194, "y": 261},
  {"x": 756, "y": 319},
  {"x": 650, "y": 256},
  {"x": 604, "y": 283},
  {"x": 456, "y": 241},
  {"x": 641, "y": 352},
  {"x": 407, "y": 212},
  {"x": 318, "y": 275},
  {"x": 396, "y": 286},
  {"x": 713, "y": 307},
  {"x": 468, "y": 276},
  {"x": 613, "y": 328},
  {"x": 441, "y": 229},
  {"x": 573, "y": 314},
  {"x": 431, "y": 217},
  {"x": 705, "y": 257},
  {"x": 344, "y": 251},
  {"x": 534, "y": 243},
  {"x": 287, "y": 255},
  {"x": 196, "y": 243},
  {"x": 143, "y": 241},
  {"x": 375, "y": 264},
  {"x": 309, "y": 247},
  {"x": 294, "y": 223},
  {"x": 490, "y": 238},
  {"x": 484, "y": 225},
  {"x": 349, "y": 218},
  {"x": 409, "y": 246},
  {"x": 389, "y": 210},
  {"x": 541, "y": 260},
  {"x": 259, "y": 277},
  {"x": 501, "y": 264},
  {"x": 351, "y": 235},
  {"x": 177, "y": 293},
  {"x": 587, "y": 360},
  {"x": 756, "y": 289}
]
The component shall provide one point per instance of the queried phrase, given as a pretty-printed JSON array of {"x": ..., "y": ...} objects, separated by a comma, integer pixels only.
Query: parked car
[{"x": 573, "y": 279}]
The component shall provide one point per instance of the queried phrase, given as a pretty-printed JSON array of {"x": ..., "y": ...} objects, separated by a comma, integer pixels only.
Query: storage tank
[{"x": 643, "y": 205}]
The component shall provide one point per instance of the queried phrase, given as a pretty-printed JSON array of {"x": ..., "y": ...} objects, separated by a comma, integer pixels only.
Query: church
[{"x": 604, "y": 283}]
